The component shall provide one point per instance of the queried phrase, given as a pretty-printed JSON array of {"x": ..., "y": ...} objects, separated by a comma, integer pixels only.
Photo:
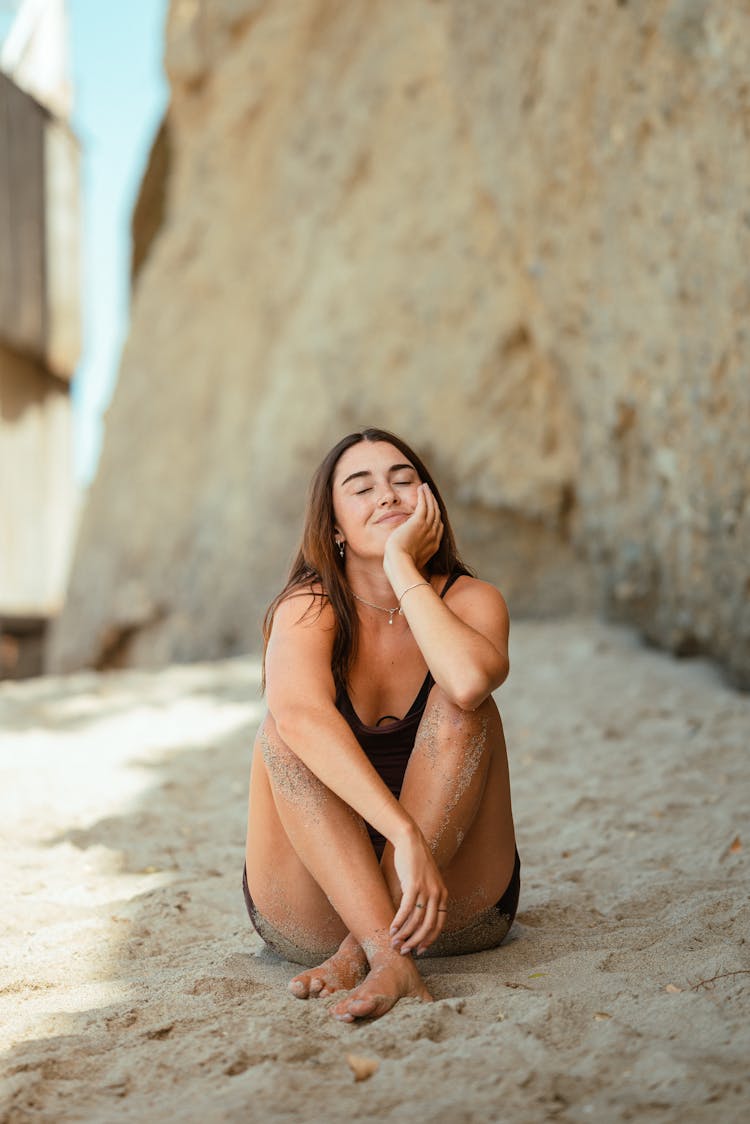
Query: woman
[{"x": 380, "y": 823}]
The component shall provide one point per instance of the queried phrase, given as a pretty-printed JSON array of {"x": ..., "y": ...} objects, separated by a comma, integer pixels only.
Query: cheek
[{"x": 348, "y": 512}]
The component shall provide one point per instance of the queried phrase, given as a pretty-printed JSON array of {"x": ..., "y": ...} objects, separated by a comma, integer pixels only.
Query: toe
[
  {"x": 316, "y": 986},
  {"x": 367, "y": 1007},
  {"x": 298, "y": 988},
  {"x": 340, "y": 1010},
  {"x": 371, "y": 1007}
]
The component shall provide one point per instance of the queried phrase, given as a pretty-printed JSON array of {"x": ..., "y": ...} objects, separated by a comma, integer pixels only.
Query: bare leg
[
  {"x": 457, "y": 789},
  {"x": 341, "y": 867}
]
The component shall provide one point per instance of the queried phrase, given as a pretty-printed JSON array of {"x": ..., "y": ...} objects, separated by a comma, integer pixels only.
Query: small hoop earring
[{"x": 340, "y": 545}]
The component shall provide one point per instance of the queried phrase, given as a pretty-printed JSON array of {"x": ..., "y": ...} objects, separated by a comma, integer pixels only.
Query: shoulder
[
  {"x": 305, "y": 608},
  {"x": 471, "y": 598},
  {"x": 298, "y": 655},
  {"x": 468, "y": 588}
]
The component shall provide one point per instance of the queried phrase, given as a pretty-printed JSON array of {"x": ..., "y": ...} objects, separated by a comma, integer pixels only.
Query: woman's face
[{"x": 374, "y": 491}]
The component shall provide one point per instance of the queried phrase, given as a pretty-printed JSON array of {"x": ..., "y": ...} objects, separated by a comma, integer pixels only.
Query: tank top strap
[{"x": 452, "y": 579}]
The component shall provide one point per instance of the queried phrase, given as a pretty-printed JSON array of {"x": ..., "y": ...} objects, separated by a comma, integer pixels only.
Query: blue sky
[{"x": 120, "y": 94}]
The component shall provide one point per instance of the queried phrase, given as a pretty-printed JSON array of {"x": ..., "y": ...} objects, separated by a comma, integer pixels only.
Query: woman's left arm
[{"x": 465, "y": 645}]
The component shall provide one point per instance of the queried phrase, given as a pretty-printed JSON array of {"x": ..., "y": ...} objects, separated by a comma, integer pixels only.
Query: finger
[
  {"x": 434, "y": 509},
  {"x": 442, "y": 916},
  {"x": 404, "y": 911},
  {"x": 423, "y": 935},
  {"x": 426, "y": 923},
  {"x": 433, "y": 936},
  {"x": 434, "y": 920},
  {"x": 411, "y": 923}
]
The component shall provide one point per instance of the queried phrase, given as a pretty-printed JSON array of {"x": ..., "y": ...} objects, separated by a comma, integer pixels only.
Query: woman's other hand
[
  {"x": 419, "y": 536},
  {"x": 421, "y": 914}
]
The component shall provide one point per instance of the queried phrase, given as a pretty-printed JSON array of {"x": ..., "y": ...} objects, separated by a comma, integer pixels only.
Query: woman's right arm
[{"x": 302, "y": 701}]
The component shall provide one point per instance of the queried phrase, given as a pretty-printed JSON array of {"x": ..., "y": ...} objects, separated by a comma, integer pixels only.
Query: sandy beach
[{"x": 133, "y": 987}]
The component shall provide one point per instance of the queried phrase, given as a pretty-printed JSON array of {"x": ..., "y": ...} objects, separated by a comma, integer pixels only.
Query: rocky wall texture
[{"x": 516, "y": 234}]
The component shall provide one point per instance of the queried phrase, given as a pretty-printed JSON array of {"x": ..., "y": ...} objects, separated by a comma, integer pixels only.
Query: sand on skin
[{"x": 133, "y": 987}]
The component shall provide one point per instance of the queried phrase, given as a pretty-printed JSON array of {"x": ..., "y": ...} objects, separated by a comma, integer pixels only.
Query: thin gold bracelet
[{"x": 403, "y": 595}]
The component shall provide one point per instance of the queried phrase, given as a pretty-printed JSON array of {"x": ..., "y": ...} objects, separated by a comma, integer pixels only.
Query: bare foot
[
  {"x": 391, "y": 978},
  {"x": 340, "y": 972}
]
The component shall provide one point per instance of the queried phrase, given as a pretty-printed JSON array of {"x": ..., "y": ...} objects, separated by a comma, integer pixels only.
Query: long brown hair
[{"x": 318, "y": 560}]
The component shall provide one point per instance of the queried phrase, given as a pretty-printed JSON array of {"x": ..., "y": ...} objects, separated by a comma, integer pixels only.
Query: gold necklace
[{"x": 391, "y": 612}]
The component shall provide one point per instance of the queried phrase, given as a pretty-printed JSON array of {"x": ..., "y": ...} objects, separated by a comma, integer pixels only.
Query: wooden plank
[
  {"x": 37, "y": 491},
  {"x": 22, "y": 220}
]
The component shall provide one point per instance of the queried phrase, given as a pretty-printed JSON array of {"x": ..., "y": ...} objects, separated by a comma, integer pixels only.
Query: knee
[
  {"x": 448, "y": 731},
  {"x": 288, "y": 774},
  {"x": 269, "y": 736},
  {"x": 272, "y": 746},
  {"x": 442, "y": 713}
]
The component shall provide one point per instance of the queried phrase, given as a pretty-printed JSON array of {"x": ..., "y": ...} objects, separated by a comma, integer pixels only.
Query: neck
[{"x": 370, "y": 582}]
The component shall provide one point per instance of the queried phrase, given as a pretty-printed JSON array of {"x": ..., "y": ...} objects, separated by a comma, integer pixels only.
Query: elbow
[
  {"x": 286, "y": 726},
  {"x": 469, "y": 702},
  {"x": 473, "y": 689},
  {"x": 290, "y": 723},
  {"x": 296, "y": 724}
]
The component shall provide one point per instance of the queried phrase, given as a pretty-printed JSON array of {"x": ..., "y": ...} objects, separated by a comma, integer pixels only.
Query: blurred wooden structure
[{"x": 39, "y": 347}]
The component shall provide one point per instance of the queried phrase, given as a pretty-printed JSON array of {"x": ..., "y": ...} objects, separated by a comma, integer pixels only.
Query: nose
[{"x": 387, "y": 495}]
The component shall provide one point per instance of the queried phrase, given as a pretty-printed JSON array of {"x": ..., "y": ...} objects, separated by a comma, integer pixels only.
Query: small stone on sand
[{"x": 362, "y": 1067}]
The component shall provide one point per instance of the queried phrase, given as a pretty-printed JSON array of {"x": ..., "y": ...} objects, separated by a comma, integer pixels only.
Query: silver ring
[{"x": 418, "y": 905}]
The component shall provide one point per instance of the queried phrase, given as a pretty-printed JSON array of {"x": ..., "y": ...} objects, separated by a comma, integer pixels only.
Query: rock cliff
[{"x": 516, "y": 234}]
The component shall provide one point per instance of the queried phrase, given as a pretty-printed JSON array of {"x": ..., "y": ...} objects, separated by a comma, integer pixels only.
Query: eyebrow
[{"x": 367, "y": 472}]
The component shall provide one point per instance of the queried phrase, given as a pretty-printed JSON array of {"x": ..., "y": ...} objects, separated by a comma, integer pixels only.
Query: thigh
[
  {"x": 283, "y": 891},
  {"x": 460, "y": 758},
  {"x": 481, "y": 869}
]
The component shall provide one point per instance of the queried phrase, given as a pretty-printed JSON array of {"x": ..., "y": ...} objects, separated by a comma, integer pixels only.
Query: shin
[{"x": 330, "y": 840}]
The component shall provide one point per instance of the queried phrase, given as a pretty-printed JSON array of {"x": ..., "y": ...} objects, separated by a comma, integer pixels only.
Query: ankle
[
  {"x": 391, "y": 959},
  {"x": 378, "y": 949},
  {"x": 352, "y": 950}
]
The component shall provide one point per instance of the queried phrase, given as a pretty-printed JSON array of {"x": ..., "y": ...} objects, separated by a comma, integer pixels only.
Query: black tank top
[{"x": 389, "y": 747}]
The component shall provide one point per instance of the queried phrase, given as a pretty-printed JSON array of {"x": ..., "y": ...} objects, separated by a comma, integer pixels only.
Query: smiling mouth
[{"x": 392, "y": 516}]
